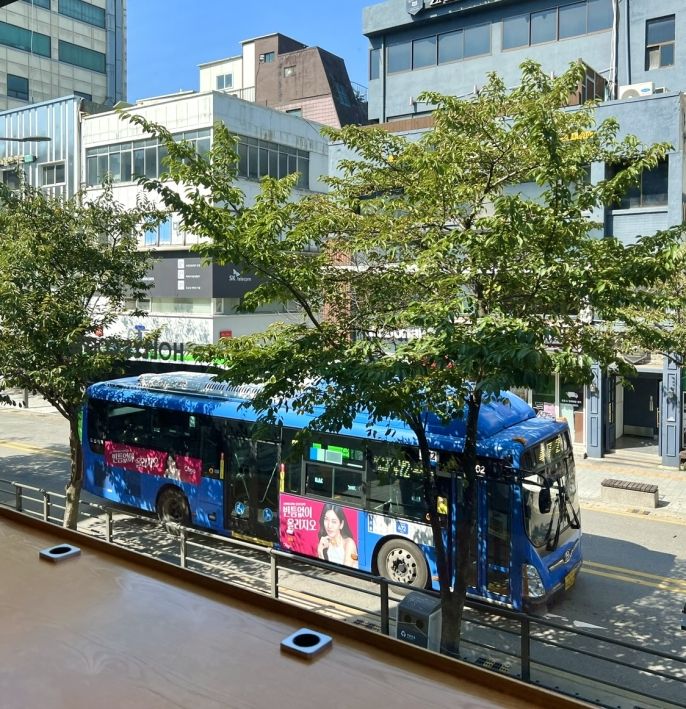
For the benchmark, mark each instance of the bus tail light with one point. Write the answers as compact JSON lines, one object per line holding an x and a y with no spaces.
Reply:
{"x":532,"y":585}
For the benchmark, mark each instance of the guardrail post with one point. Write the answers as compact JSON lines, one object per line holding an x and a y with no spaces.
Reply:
{"x":109,"y":523}
{"x":274,"y":564}
{"x":18,"y":506}
{"x":525,"y":652}
{"x":46,"y":506}
{"x":182,"y":549}
{"x":383,"y":592}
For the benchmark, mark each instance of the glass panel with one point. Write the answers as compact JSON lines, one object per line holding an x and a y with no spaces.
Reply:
{"x":424,"y":52}
{"x":395,"y":481}
{"x":399,"y":57}
{"x":18,"y":87}
{"x":662,"y":30}
{"x":151,"y":162}
{"x":165,"y":231}
{"x":81,"y":56}
{"x":92,"y":171}
{"x":498,"y":495}
{"x":599,"y":15}
{"x":125,"y":166}
{"x":252,"y":162}
{"x":83,"y":11}
{"x":544,"y":26}
{"x":450,"y":47}
{"x":667,"y":55}
{"x":374,"y":63}
{"x":242,"y":150}
{"x":515,"y":32}
{"x":264,"y":162}
{"x":115,"y":166}
{"x":654,"y":184}
{"x":103,"y":167}
{"x":572,"y":20}
{"x":477,"y":40}
{"x":138,"y":163}
{"x":283,"y":164}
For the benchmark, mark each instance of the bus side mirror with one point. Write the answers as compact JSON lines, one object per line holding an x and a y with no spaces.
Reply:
{"x":544,"y":500}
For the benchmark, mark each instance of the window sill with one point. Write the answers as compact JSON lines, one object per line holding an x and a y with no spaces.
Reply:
{"x":640,"y":210}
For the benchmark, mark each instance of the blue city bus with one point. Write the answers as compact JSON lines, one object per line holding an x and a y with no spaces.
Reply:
{"x":192,"y":449}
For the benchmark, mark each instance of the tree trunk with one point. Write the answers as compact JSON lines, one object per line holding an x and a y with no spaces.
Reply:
{"x":73,"y":489}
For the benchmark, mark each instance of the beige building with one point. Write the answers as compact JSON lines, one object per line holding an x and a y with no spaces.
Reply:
{"x":284,"y":74}
{"x":53,"y":48}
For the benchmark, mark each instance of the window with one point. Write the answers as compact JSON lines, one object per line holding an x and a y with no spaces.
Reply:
{"x":83,"y":11}
{"x":450,"y":47}
{"x":555,"y":23}
{"x":26,"y":40}
{"x":53,"y":174}
{"x":660,"y":42}
{"x":651,"y":191}
{"x":260,"y":158}
{"x":128,"y":161}
{"x":516,"y":32}
{"x":39,"y":3}
{"x":395,"y":481}
{"x":374,"y":63}
{"x":267,"y":57}
{"x":477,"y":40}
{"x":599,"y":15}
{"x":17,"y":87}
{"x":544,"y":26}
{"x":224,"y":81}
{"x":80,"y":56}
{"x":399,"y":57}
{"x":289,"y":71}
{"x":83,"y":94}
{"x":423,"y":52}
{"x":573,"y":20}
{"x":11,"y":179}
{"x":298,"y":112}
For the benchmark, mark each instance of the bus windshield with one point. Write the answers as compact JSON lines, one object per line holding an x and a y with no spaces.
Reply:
{"x":551,"y":504}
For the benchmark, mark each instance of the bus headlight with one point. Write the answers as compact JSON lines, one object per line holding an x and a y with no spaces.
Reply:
{"x":532,"y":583}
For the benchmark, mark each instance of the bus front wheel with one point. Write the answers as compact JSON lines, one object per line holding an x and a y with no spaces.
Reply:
{"x":402,"y":561}
{"x":172,"y":506}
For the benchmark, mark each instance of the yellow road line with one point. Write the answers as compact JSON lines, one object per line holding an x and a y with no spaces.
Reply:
{"x":633,"y":573}
{"x":28,"y":448}
{"x":635,"y":581}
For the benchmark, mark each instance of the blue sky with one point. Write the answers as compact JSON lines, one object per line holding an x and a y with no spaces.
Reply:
{"x":167,"y":39}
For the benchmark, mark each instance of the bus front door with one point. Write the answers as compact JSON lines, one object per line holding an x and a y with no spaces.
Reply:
{"x":495,"y":502}
{"x":252,"y":490}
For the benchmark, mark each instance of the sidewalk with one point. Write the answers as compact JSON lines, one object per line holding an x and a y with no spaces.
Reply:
{"x":36,"y":404}
{"x":671,"y":483}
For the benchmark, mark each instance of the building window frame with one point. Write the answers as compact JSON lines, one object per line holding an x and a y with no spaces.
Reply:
{"x":54,"y":174}
{"x":660,"y":47}
{"x":644,"y":195}
{"x":18,"y":87}
{"x":224,"y":81}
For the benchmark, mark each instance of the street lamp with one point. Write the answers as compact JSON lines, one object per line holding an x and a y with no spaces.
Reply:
{"x":28,"y":139}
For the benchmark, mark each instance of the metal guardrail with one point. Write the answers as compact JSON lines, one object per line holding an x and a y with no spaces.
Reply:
{"x":580,"y":663}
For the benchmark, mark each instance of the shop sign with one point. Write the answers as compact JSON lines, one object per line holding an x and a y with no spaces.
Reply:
{"x":16,"y":160}
{"x":415,"y":6}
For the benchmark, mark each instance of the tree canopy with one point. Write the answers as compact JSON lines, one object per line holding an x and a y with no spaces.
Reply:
{"x":67,"y":267}
{"x":438,"y":270}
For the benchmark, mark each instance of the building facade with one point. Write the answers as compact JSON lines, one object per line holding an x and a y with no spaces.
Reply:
{"x":191,"y":302}
{"x":54,"y":48}
{"x":41,"y":144}
{"x":636,"y":64}
{"x":282,"y":73}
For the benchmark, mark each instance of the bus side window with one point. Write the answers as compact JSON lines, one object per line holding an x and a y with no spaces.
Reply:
{"x":319,"y":480}
{"x":291,"y":460}
{"x":210,"y":438}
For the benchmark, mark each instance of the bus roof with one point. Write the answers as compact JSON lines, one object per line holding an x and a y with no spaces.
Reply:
{"x":506,"y":423}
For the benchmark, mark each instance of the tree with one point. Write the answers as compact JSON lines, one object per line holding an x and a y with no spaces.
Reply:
{"x":474,"y":239}
{"x":66,"y":268}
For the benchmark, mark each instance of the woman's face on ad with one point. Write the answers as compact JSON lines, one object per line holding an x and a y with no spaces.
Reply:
{"x":332,"y":524}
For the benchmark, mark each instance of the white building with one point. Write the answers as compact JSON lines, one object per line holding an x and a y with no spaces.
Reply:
{"x":56,"y":48}
{"x":190,"y":302}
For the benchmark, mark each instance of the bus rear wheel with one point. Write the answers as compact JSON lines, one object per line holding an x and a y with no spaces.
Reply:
{"x":402,"y":561}
{"x":172,"y":506}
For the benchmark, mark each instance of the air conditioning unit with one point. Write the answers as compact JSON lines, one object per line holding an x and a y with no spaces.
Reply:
{"x":645,"y":88}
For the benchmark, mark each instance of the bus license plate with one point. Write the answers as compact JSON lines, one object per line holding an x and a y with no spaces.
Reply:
{"x":570,"y":578}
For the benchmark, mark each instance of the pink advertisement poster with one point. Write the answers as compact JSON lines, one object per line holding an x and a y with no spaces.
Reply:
{"x":319,"y":529}
{"x":153,"y":462}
